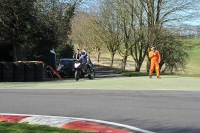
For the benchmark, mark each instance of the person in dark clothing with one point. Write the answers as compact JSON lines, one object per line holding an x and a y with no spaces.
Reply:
{"x":84,"y":57}
{"x":77,"y":55}
{"x":85,"y":60}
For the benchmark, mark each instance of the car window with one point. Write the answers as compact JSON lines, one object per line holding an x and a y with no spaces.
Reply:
{"x":63,"y":62}
{"x":67,"y":62}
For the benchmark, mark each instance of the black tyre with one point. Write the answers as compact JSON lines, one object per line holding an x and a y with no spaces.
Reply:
{"x":7,"y":72}
{"x":29,"y":72}
{"x":18,"y":72}
{"x":44,"y":74}
{"x":38,"y":72}
{"x":0,"y":71}
{"x":77,"y":75}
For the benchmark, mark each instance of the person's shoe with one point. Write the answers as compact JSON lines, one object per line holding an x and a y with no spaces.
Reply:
{"x":150,"y":77}
{"x":158,"y":77}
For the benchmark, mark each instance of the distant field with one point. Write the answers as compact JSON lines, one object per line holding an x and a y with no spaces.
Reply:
{"x":192,"y":67}
{"x":105,"y":60}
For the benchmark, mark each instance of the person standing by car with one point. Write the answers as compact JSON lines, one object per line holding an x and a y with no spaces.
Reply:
{"x":77,"y":55}
{"x":155,"y":58}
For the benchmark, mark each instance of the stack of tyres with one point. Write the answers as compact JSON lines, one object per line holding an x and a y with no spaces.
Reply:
{"x":0,"y":71}
{"x":7,"y":71}
{"x":18,"y":72}
{"x":44,"y":74}
{"x":38,"y":72}
{"x":29,"y":72}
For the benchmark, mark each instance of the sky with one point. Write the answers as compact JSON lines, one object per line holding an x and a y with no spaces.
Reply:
{"x":88,"y":5}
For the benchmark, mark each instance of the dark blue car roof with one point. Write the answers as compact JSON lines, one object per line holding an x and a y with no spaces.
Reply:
{"x":64,"y":60}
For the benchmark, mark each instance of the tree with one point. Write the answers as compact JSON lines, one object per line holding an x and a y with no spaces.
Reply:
{"x":174,"y":52}
{"x":131,"y":27}
{"x":121,"y":10}
{"x":54,"y":26}
{"x":139,"y":45}
{"x":109,"y":28}
{"x":83,"y":32}
{"x":129,"y":21}
{"x":36,"y":25}
{"x":16,"y":20}
{"x":65,"y":51}
{"x":162,"y":14}
{"x":152,"y":17}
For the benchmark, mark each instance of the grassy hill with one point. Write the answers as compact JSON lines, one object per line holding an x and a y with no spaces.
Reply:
{"x":193,"y":65}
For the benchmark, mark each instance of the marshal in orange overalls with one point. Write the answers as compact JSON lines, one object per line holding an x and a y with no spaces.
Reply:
{"x":154,"y":55}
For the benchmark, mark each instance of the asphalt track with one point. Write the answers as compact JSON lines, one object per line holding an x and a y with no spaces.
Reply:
{"x":165,"y":109}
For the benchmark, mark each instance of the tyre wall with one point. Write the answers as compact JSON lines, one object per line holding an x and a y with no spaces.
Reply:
{"x":38,"y":71}
{"x":18,"y":72}
{"x":22,"y":71}
{"x":0,"y":71}
{"x":7,"y":71}
{"x":29,"y":71}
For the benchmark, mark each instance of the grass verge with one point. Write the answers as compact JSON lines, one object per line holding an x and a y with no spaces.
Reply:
{"x":138,"y":74}
{"x":189,"y":75}
{"x":129,"y":73}
{"x":6,"y":127}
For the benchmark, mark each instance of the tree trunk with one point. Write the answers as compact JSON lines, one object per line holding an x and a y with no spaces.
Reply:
{"x":124,"y":62}
{"x":14,"y":53}
{"x":137,"y":66}
{"x":98,"y":54}
{"x":148,"y":66}
{"x":112,"y":59}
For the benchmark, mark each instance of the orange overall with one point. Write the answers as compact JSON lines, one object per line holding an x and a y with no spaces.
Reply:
{"x":155,"y":60}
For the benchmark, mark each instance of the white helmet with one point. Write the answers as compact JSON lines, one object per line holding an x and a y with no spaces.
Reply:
{"x":83,"y":52}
